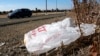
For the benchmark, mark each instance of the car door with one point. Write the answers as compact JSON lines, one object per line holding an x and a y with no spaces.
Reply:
{"x":19,"y":13}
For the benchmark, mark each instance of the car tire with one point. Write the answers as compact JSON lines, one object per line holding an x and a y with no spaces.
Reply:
{"x":23,"y":16}
{"x":29,"y":15}
{"x":17,"y":16}
{"x":9,"y":17}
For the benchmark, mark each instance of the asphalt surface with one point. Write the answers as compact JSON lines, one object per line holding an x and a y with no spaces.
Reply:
{"x":7,"y":21}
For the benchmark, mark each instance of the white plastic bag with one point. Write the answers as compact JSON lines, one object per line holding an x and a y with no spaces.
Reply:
{"x":88,"y":29}
{"x":47,"y":37}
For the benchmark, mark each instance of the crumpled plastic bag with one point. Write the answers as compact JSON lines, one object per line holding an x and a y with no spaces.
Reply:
{"x":88,"y":29}
{"x":49,"y":36}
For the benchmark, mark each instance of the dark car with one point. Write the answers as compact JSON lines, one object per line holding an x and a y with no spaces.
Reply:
{"x":20,"y":13}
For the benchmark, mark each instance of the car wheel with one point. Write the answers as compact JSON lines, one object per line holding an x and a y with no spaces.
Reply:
{"x":29,"y":15}
{"x":17,"y":17}
{"x":23,"y":16}
{"x":10,"y":17}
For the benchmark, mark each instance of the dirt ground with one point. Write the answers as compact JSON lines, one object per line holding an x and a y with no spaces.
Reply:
{"x":12,"y":36}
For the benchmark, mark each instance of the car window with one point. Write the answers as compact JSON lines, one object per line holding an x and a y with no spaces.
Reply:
{"x":18,"y":10}
{"x":25,"y":10}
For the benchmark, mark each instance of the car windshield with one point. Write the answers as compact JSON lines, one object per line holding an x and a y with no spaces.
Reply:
{"x":16,"y":10}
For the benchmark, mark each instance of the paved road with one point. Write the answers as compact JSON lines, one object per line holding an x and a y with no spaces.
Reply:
{"x":7,"y":21}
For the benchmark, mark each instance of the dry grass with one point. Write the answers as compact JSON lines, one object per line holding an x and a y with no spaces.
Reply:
{"x":3,"y":16}
{"x":13,"y":36}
